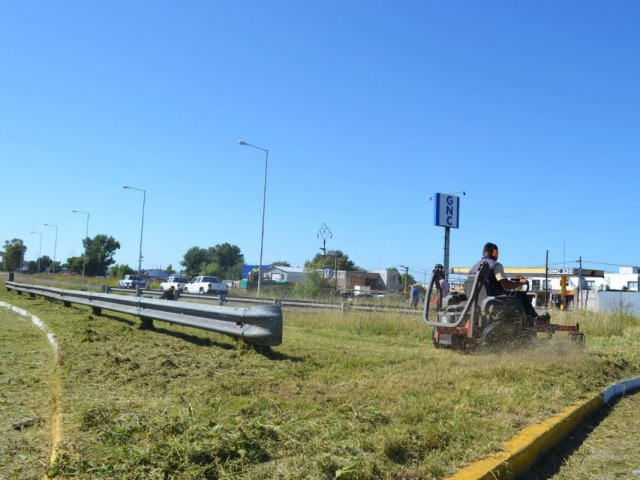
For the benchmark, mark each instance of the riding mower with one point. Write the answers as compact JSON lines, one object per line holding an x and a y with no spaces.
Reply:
{"x":474,"y":319}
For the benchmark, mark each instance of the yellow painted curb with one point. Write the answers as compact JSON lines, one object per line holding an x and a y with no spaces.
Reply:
{"x":524,"y":449}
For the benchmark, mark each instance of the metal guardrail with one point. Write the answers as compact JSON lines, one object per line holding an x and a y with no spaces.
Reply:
{"x":257,"y":325}
{"x":296,"y":304}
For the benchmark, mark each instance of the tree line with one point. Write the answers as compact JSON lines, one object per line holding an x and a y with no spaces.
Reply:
{"x":222,"y":260}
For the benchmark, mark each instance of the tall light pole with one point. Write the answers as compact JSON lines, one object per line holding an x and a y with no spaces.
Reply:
{"x":264,"y":204}
{"x":55,"y":247}
{"x":40,"y":252}
{"x":86,"y":236}
{"x":144,"y":200}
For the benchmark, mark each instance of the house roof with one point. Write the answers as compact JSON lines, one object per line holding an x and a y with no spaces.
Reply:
{"x":286,"y":269}
{"x":157,"y":274}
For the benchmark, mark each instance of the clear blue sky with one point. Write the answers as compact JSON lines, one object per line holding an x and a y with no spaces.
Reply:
{"x":367,"y":109}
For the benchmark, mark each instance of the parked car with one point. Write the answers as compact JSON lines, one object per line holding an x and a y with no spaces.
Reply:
{"x":133,"y":281}
{"x":177,"y":282}
{"x":206,"y":284}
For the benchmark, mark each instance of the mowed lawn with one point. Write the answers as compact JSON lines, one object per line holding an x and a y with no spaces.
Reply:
{"x":349,"y":396}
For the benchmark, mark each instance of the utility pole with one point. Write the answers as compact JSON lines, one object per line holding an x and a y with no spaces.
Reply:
{"x":406,"y":279}
{"x":579,"y":299}
{"x":324,"y":233}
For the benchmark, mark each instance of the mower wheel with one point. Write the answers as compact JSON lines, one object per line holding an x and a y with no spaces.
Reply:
{"x":503,"y":334}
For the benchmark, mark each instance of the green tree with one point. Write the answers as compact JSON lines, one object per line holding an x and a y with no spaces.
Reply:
{"x":45,"y":263}
{"x":119,"y":271}
{"x":99,"y":250}
{"x":314,"y":285}
{"x":194,"y":260}
{"x":280,"y":263}
{"x":39,"y":265}
{"x":330,"y":259}
{"x":169,"y":270}
{"x":54,"y":267}
{"x":407,"y":280}
{"x":223,"y":260}
{"x":12,"y":254}
{"x":74,"y":264}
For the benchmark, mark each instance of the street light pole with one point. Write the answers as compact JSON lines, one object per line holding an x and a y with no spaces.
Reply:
{"x":86,"y":236}
{"x":55,"y":247}
{"x":144,"y":200}
{"x":40,"y":251}
{"x":264,"y":204}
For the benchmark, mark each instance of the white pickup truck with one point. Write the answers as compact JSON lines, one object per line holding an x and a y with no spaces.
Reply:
{"x":133,"y":281}
{"x":176,"y":282}
{"x":206,"y":285}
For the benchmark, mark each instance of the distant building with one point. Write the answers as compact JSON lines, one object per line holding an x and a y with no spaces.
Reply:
{"x":283,"y":274}
{"x":156,"y":275}
{"x":583,"y":290}
{"x":387,"y":280}
{"x":625,"y":279}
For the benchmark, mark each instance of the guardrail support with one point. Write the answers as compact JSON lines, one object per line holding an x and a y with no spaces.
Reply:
{"x":146,"y":323}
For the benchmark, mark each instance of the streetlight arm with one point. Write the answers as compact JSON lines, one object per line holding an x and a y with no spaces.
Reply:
{"x":243,"y":143}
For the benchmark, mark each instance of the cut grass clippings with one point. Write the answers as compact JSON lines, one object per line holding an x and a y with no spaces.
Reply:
{"x":349,"y":396}
{"x":27,"y":396}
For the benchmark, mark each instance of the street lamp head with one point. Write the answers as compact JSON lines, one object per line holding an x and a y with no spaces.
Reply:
{"x":242,"y":142}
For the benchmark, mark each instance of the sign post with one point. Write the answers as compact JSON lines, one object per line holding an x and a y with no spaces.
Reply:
{"x":447,"y":213}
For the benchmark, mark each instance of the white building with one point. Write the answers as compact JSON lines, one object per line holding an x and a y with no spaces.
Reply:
{"x":284,"y":274}
{"x":626,"y":279}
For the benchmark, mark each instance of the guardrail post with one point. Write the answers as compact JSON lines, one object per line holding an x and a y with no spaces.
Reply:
{"x":221,"y":300}
{"x":345,"y":307}
{"x":146,"y":323}
{"x":11,"y":275}
{"x":138,"y":292}
{"x":277,"y":302}
{"x":106,"y":288}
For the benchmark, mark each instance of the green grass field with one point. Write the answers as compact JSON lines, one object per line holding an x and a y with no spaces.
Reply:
{"x":346,"y":396}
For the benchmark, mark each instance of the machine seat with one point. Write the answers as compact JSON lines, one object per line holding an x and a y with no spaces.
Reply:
{"x":493,"y":305}
{"x":501,"y":304}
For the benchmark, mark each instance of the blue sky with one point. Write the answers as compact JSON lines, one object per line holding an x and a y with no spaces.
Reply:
{"x":367,"y":108}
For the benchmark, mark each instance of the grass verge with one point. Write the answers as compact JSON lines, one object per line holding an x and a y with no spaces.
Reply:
{"x":349,"y":396}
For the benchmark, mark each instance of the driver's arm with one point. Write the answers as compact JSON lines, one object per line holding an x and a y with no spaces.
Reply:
{"x":504,"y":281}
